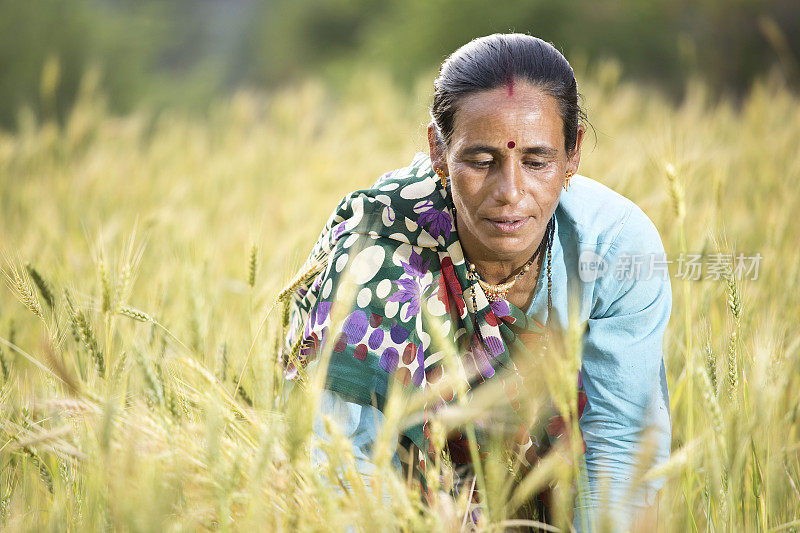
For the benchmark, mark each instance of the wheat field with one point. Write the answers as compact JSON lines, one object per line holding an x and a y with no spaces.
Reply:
{"x":142,"y":252}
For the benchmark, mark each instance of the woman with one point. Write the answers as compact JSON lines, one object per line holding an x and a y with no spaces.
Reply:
{"x":495,"y":234}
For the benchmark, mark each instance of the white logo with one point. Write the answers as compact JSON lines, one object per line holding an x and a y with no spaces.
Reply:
{"x":591,"y":266}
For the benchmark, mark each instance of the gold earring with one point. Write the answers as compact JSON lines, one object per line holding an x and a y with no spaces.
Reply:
{"x":442,"y":177}
{"x":566,"y":181}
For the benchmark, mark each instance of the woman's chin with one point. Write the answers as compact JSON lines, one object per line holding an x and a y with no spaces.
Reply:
{"x":508,"y":246}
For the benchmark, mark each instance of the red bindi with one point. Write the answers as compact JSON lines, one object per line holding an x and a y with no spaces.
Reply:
{"x":511,"y":144}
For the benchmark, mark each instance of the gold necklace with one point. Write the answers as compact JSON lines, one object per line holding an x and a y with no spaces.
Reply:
{"x":495,"y":293}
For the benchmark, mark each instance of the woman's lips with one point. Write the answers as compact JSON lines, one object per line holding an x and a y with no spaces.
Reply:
{"x":507,"y":225}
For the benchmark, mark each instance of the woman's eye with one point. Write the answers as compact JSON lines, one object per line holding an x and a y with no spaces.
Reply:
{"x":536,"y":165}
{"x":485,"y":163}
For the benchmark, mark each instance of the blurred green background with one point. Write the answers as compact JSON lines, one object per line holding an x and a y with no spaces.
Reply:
{"x":182,"y":53}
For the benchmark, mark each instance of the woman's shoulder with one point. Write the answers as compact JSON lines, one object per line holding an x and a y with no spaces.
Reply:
{"x":594,"y":215}
{"x":420,"y":169}
{"x":405,"y":205}
{"x":613,"y":247}
{"x":403,"y":187}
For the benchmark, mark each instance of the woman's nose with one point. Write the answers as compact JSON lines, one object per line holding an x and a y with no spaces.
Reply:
{"x":509,"y":187}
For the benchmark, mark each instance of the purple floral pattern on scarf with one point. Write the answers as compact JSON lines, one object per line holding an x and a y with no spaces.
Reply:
{"x":409,"y":288}
{"x":438,"y":222}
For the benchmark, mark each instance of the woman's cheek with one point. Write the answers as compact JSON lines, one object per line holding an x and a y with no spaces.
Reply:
{"x":468,"y":185}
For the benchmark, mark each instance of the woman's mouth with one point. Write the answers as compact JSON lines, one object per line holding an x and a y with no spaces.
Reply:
{"x":507,"y":225}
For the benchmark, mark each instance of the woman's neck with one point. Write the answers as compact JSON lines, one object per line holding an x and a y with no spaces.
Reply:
{"x":494,"y":267}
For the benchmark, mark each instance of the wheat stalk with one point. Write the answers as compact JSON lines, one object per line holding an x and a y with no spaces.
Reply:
{"x":245,"y":396}
{"x":300,"y":279}
{"x":155,"y":393}
{"x":105,"y":282}
{"x":41,"y":284}
{"x":711,"y":360}
{"x":252,"y":266}
{"x":129,"y":262}
{"x":69,"y":406}
{"x":4,"y":366}
{"x":84,"y":328}
{"x":710,"y":400}
{"x":676,"y":191}
{"x":223,"y":361}
{"x":135,"y":314}
{"x":735,"y":307}
{"x":19,"y":283}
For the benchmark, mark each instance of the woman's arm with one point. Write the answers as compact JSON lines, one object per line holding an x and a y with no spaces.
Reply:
{"x":360,"y":424}
{"x":624,"y":377}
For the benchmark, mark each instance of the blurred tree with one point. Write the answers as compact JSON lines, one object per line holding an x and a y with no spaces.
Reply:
{"x":164,"y":53}
{"x":183,"y":52}
{"x":664,"y":41}
{"x":287,"y":39}
{"x":68,"y":36}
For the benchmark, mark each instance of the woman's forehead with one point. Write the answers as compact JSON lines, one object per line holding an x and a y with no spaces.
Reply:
{"x":503,"y":115}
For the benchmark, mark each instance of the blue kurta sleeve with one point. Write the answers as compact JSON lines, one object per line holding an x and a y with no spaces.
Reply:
{"x":624,"y":376}
{"x":361,"y":425}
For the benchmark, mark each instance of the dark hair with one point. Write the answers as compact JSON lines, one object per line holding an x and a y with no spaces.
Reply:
{"x":489,"y":62}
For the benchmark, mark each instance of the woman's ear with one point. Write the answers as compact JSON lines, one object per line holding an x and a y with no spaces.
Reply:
{"x":436,"y":146}
{"x":575,"y":154}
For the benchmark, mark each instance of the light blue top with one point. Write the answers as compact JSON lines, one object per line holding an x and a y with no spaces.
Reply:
{"x":608,"y":270}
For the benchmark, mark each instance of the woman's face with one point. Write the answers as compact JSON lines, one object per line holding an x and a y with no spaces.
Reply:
{"x":507,"y":164}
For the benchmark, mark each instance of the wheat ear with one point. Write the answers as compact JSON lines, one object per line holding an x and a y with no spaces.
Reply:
{"x":19,"y":283}
{"x":41,"y":284}
{"x":301,"y":278}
